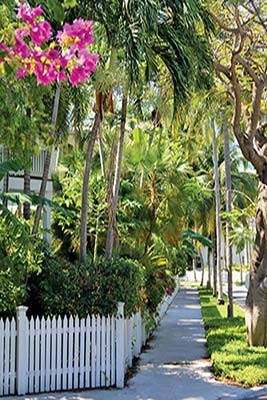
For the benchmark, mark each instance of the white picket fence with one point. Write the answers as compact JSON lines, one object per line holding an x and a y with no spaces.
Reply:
{"x":62,"y":354}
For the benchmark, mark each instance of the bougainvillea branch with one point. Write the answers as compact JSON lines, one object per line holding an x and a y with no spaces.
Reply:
{"x":34,"y":52}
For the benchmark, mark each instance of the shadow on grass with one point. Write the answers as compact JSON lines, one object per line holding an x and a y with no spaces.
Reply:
{"x":227,"y":344}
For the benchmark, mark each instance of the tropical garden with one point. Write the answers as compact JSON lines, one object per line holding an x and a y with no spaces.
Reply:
{"x":157,"y":113}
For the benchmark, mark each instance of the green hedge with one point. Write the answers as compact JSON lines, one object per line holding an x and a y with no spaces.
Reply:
{"x":227,"y":344}
{"x":67,"y":288}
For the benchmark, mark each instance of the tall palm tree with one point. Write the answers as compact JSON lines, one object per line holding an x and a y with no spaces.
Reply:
{"x":218,"y":213}
{"x":228,"y":203}
{"x":47,"y":160}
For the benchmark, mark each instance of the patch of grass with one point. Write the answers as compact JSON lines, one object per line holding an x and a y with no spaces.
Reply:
{"x":227,"y":344}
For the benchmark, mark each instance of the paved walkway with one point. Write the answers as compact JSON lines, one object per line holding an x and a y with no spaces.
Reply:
{"x":239,"y":295}
{"x":174,"y":368}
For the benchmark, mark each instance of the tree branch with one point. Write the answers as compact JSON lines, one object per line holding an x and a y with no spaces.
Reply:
{"x":256,"y":108}
{"x":221,"y":24}
{"x":248,"y":68}
{"x":262,"y":126}
{"x":258,"y":15}
{"x":220,"y":68}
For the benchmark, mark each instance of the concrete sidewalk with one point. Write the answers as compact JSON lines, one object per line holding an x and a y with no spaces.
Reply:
{"x":175,"y":367}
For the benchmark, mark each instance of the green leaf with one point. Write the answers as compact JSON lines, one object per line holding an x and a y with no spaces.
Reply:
{"x":200,"y":238}
{"x":70,"y":3}
{"x":19,"y":198}
{"x":56,"y":9}
{"x":8,"y":166}
{"x":138,"y":135}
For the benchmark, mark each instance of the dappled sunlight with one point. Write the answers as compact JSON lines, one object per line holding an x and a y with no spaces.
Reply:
{"x":192,"y":306}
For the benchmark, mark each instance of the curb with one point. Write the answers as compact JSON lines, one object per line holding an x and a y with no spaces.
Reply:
{"x":248,"y":395}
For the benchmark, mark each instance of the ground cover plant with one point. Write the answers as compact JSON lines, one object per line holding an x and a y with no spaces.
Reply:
{"x":230,"y":354}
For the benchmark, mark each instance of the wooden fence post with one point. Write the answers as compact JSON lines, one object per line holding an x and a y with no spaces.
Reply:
{"x":22,"y":349}
{"x":120,"y":358}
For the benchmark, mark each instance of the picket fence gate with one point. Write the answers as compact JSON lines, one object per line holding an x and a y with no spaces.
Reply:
{"x":54,"y":354}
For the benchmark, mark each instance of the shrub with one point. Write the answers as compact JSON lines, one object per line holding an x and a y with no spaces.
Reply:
{"x":67,"y":288}
{"x":227,"y":344}
{"x":19,"y":257}
{"x":158,"y":281}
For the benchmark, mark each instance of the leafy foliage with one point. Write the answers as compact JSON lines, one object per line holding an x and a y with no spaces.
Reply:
{"x":19,"y":256}
{"x":67,"y":288}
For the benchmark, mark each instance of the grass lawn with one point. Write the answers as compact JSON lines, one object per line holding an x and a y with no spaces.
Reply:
{"x":227,"y":345}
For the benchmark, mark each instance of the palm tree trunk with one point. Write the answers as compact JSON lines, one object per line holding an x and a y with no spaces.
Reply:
{"x":112,"y":225}
{"x":218,"y":218}
{"x":241,"y":268}
{"x":101,"y":152}
{"x":6,"y":177}
{"x":116,"y":185}
{"x":202,"y":268}
{"x":96,"y":239}
{"x":153,"y":191}
{"x":47,"y":162}
{"x":209,"y":270}
{"x":214,"y":261}
{"x":27,"y":190}
{"x":86,"y":177}
{"x":194,"y":263}
{"x":228,"y":228}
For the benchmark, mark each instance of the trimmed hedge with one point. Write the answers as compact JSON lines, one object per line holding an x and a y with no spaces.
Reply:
{"x":227,"y":344}
{"x":67,"y":288}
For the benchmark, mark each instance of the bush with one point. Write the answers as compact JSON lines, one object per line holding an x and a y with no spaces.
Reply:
{"x":67,"y":288}
{"x":158,"y":281}
{"x":19,"y":257}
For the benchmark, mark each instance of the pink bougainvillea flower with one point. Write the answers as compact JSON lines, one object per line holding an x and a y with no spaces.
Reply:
{"x":49,"y":64}
{"x":80,"y":30}
{"x":62,"y":76}
{"x":4,"y":47}
{"x":53,"y":54}
{"x":170,"y":290}
{"x":40,"y":32}
{"x":42,"y":74}
{"x":78,"y":75}
{"x":28,"y":14}
{"x":87,"y":59}
{"x":20,"y":47}
{"x":21,"y":73}
{"x":22,"y":32}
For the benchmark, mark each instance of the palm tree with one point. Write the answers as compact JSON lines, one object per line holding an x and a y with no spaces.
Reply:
{"x":145,"y":35}
{"x":228,"y":203}
{"x":47,"y":161}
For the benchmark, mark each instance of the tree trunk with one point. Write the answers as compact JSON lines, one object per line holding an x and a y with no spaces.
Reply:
{"x":218,"y":218}
{"x":6,"y":177}
{"x":202,"y":268}
{"x":27,"y":190}
{"x":241,"y":268}
{"x":256,"y":302}
{"x":209,"y":270}
{"x":214,"y":261}
{"x":112,"y":218}
{"x":116,"y":185}
{"x":153,"y":197}
{"x":101,"y":152}
{"x":96,"y":240}
{"x":47,"y":162}
{"x":86,"y":177}
{"x":228,"y":228}
{"x":194,"y":263}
